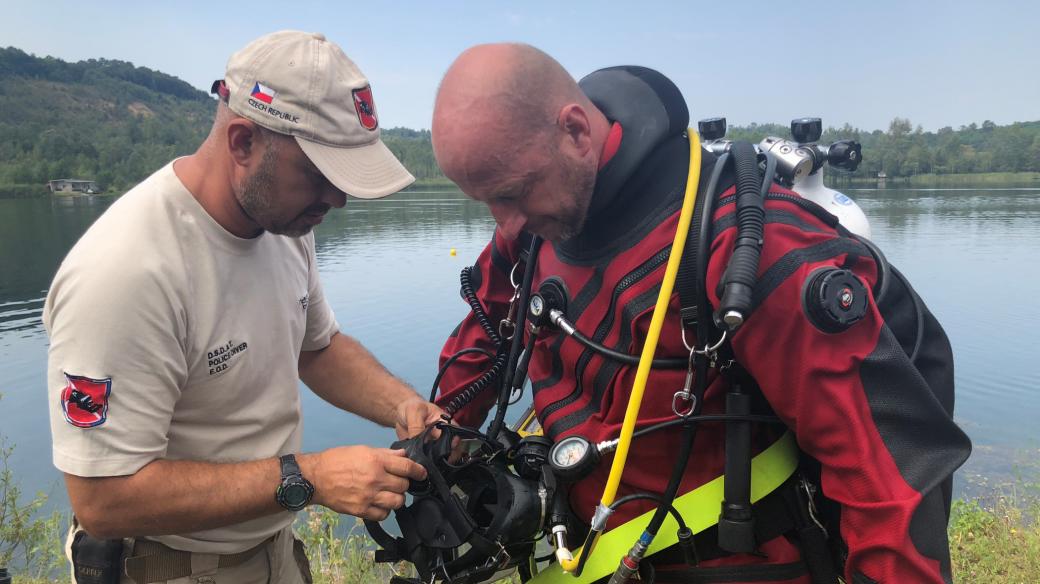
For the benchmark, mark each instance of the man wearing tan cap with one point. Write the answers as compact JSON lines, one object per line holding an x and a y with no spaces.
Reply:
{"x":183,"y":318}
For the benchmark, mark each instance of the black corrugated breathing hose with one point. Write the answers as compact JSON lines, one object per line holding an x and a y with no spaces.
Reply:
{"x":738,"y":281}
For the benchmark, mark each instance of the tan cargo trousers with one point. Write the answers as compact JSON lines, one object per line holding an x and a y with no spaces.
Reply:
{"x":278,"y":560}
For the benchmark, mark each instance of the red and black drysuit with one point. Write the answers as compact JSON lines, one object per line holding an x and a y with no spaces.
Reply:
{"x":887,"y":446}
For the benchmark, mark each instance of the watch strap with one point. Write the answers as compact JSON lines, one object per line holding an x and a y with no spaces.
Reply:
{"x":289,"y":466}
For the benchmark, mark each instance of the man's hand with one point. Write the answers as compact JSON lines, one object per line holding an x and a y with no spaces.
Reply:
{"x":414,"y":415}
{"x":359,"y":480}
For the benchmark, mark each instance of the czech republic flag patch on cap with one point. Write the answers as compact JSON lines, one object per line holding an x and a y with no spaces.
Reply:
{"x":263,"y":93}
{"x":85,"y":401}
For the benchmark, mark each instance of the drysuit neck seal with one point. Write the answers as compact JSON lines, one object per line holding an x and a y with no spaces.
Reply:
{"x":649,"y":108}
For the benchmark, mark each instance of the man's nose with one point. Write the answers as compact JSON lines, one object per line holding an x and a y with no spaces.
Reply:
{"x":334,"y":197}
{"x":510,"y":222}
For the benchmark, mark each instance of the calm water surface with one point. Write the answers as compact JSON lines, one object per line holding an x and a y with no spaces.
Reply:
{"x":390,"y":277}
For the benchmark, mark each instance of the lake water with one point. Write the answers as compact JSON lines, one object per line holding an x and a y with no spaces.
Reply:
{"x":393,"y":283}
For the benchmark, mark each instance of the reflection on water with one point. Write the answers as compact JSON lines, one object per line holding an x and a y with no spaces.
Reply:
{"x":393,"y":284}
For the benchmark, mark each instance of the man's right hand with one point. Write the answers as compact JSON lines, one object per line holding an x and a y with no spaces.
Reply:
{"x":359,"y":480}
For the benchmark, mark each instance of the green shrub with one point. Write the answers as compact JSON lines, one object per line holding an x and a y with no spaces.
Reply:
{"x":997,"y":540}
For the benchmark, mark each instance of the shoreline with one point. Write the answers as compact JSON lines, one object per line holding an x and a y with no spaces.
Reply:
{"x":978,"y":179}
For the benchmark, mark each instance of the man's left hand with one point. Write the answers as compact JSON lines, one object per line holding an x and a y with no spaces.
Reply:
{"x":414,"y":415}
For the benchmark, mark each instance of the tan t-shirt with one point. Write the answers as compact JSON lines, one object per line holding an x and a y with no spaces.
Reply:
{"x":172,"y":338}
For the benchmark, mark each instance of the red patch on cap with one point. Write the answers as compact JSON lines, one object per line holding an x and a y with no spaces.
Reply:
{"x":366,"y":108}
{"x":85,"y":401}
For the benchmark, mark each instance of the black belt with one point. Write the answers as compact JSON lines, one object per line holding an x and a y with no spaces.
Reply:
{"x":783,"y":511}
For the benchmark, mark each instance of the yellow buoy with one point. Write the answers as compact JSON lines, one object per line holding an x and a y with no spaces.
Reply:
{"x":452,"y":252}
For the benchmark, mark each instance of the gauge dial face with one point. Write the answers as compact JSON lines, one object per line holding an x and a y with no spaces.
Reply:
{"x":570,"y":451}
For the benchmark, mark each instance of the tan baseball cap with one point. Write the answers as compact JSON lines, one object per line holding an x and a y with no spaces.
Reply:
{"x":301,"y":84}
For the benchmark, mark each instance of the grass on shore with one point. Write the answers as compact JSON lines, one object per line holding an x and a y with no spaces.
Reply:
{"x":992,"y":542}
{"x":995,"y":539}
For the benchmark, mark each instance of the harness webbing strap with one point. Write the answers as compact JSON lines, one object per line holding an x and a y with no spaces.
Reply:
{"x":699,"y":508}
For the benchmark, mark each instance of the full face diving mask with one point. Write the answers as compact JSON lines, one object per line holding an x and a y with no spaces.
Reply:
{"x":473,"y":516}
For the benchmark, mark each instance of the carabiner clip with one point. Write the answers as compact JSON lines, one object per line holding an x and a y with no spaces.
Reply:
{"x":686,"y":393}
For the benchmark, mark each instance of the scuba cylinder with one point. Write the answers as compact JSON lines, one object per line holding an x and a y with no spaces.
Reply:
{"x":800,"y":165}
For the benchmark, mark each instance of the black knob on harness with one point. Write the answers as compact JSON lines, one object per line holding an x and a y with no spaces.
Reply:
{"x":835,"y":299}
{"x":806,"y":130}
{"x":712,"y":128}
{"x":845,"y":154}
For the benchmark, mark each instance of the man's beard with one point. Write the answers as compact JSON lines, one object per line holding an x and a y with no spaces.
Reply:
{"x":257,"y":198}
{"x":581,"y":183}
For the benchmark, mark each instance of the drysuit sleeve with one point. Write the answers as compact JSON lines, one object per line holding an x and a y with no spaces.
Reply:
{"x":853,"y":398}
{"x":490,"y":284}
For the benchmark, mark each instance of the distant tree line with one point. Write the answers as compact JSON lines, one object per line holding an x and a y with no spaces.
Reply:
{"x":905,"y":150}
{"x":115,"y":123}
{"x":415,"y":150}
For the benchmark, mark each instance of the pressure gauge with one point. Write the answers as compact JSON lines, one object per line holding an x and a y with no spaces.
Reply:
{"x":573,"y":458}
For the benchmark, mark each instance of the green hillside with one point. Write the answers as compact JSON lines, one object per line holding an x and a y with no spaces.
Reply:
{"x":104,"y":120}
{"x":114,"y":123}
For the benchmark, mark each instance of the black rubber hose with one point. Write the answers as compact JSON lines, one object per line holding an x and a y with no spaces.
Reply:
{"x":663,"y":363}
{"x":585,"y":552}
{"x":705,"y":237}
{"x":477,"y":387}
{"x":761,"y":419}
{"x":668,"y":497}
{"x":884,"y":269}
{"x":652,"y":497}
{"x":685,"y":448}
{"x":767,"y":177}
{"x":520,"y":374}
{"x":741,"y":274}
{"x":518,"y":336}
{"x":451,"y":360}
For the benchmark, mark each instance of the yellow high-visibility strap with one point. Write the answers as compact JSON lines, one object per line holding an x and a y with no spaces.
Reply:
{"x":699,"y":509}
{"x":528,"y":425}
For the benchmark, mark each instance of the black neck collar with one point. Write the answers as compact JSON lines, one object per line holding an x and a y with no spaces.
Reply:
{"x":648,"y":166}
{"x":650,"y":110}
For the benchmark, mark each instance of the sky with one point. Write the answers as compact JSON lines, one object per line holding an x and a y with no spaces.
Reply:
{"x":863,"y":63}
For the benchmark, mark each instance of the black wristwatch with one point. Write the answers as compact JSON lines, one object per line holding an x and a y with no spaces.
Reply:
{"x":295,"y":491}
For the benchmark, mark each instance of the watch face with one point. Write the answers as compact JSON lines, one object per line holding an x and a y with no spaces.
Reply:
{"x":295,"y":496}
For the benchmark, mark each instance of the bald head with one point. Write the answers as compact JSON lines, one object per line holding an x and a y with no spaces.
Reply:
{"x":496,"y":100}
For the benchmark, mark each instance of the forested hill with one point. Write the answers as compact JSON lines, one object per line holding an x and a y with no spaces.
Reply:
{"x":115,"y":123}
{"x":99,"y":119}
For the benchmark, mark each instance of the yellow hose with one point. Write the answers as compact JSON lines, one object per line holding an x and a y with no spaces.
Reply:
{"x":635,"y":400}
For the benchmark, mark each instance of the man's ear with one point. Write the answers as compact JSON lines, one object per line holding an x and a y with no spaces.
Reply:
{"x":243,"y":140}
{"x":574,"y":122}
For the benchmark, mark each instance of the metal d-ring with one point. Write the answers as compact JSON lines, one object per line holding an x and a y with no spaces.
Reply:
{"x":708,"y":349}
{"x":512,"y":276}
